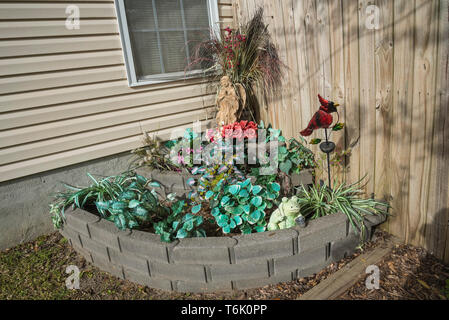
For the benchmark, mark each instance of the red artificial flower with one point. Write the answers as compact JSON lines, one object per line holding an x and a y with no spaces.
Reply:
{"x":243,"y":123}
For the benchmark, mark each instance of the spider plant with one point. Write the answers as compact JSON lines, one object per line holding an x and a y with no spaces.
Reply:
{"x":320,"y":201}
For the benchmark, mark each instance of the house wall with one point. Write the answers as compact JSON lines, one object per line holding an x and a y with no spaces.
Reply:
{"x":65,"y":102}
{"x":392,"y":81}
{"x":64,"y":97}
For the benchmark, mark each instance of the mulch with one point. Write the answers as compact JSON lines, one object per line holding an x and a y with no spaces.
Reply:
{"x":408,"y":273}
{"x":36,"y":270}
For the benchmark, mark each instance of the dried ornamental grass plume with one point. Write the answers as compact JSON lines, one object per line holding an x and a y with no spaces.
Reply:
{"x":247,"y":56}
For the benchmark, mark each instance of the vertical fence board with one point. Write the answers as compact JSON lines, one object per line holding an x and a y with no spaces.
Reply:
{"x":422,"y":116}
{"x":402,"y":114}
{"x":292,"y":62}
{"x":384,"y":97}
{"x":367,"y":95}
{"x":351,"y":71}
{"x":338,"y":76}
{"x":286,"y":55}
{"x":303,"y":67}
{"x":323,"y":36}
{"x":436,"y":228}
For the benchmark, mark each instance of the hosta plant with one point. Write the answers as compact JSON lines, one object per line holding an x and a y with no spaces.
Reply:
{"x":242,"y":205}
{"x":320,"y":201}
{"x":178,"y":225}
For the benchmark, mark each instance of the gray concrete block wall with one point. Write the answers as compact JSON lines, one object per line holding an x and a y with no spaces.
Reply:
{"x":211,"y":264}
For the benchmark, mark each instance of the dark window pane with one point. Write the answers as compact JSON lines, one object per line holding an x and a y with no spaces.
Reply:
{"x":173,"y":51}
{"x":196,"y":14}
{"x":139,"y":15}
{"x":169,"y":14}
{"x":175,"y":43}
{"x":145,"y":53}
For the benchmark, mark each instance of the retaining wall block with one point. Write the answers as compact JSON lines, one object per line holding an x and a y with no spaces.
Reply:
{"x":78,"y":220}
{"x":261,"y":282}
{"x":302,"y":260}
{"x":213,"y":250}
{"x":70,"y":234}
{"x":94,"y":247}
{"x":307,"y":272}
{"x":374,"y":220}
{"x":240,"y":271}
{"x":146,"y":245}
{"x":106,"y":265}
{"x":170,"y":271}
{"x":265,"y":245}
{"x":144,"y":279}
{"x":321,"y":231}
{"x":107,"y":233}
{"x":345,"y":247}
{"x":129,"y":260}
{"x":196,"y":287}
{"x":86,"y":254}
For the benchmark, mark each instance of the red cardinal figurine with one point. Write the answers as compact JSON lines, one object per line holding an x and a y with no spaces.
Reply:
{"x":322,"y":118}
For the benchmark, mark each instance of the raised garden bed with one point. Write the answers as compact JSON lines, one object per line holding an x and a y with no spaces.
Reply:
{"x":213,"y":263}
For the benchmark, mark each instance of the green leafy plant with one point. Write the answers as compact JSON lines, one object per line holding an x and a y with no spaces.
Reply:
{"x":179,"y":226}
{"x":242,"y":205}
{"x":123,"y":199}
{"x":320,"y":201}
{"x":295,"y":157}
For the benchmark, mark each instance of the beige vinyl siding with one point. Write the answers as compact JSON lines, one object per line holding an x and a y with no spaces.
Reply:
{"x":64,"y":95}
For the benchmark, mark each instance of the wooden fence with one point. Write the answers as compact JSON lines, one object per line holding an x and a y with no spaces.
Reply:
{"x":386,"y":62}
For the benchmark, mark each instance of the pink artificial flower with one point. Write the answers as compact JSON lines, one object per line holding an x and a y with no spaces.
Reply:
{"x":228,"y":133}
{"x":250,"y":133}
{"x":237,"y":133}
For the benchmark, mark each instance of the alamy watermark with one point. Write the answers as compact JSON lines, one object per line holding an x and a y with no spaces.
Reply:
{"x":73,"y":281}
{"x":73,"y":19}
{"x":373,"y":17}
{"x":227,"y":146}
{"x":372,"y":281}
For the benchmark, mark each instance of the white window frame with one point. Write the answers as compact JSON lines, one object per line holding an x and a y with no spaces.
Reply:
{"x":133,"y":81}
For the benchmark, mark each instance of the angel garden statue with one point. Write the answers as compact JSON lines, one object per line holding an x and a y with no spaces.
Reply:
{"x":228,"y":101}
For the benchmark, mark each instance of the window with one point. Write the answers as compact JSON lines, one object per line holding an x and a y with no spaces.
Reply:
{"x":159,"y":36}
